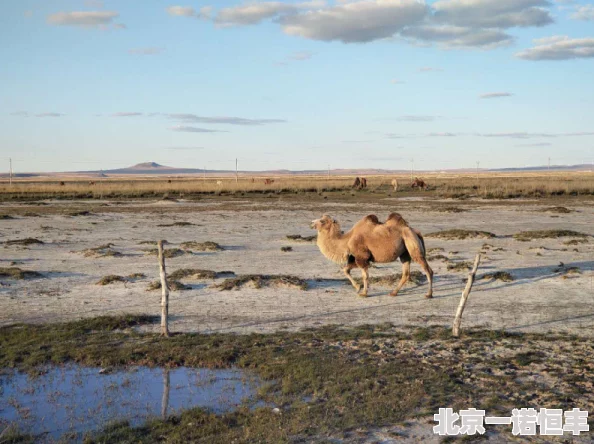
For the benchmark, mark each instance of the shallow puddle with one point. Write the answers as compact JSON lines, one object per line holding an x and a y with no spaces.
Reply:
{"x":69,"y":401}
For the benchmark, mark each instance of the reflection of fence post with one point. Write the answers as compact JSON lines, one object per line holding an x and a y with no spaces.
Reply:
{"x":465,"y":294}
{"x":165,"y":398}
{"x":164,"y":291}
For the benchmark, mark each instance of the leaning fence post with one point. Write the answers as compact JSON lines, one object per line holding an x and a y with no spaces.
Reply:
{"x":164,"y":291}
{"x":464,"y":298}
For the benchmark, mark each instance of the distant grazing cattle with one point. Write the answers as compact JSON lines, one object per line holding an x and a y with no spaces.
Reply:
{"x":62,"y":184}
{"x":418,"y":183}
{"x":394,"y":184}
{"x":268,"y":181}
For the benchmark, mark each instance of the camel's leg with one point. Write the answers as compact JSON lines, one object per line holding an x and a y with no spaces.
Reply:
{"x":347,"y":272}
{"x":404,"y":279}
{"x":429,"y":273}
{"x":365,"y":275}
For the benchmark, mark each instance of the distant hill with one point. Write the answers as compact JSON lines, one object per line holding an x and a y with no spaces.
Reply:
{"x":154,"y":169}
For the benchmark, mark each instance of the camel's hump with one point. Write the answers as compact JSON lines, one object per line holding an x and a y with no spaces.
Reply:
{"x":397,"y":219}
{"x":372,"y":218}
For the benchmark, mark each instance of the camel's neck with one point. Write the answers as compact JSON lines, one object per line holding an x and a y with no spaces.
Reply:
{"x":333,"y":244}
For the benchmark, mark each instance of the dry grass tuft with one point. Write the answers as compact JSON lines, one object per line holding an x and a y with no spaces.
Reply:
{"x":262,"y":280}
{"x":450,"y":210}
{"x":111,"y":279}
{"x":194,"y":273}
{"x":503,"y":276}
{"x":299,"y":238}
{"x":167,"y":252}
{"x":438,"y":257}
{"x":136,"y":276}
{"x":201,"y":246}
{"x":461,"y":234}
{"x":435,"y":250}
{"x":17,"y":273}
{"x":80,"y":213}
{"x":525,"y":236}
{"x":101,"y":251}
{"x":460,"y":266}
{"x":27,"y":241}
{"x":558,"y":210}
{"x":177,"y":224}
{"x":575,"y":242}
{"x":286,"y":249}
{"x":172,"y":284}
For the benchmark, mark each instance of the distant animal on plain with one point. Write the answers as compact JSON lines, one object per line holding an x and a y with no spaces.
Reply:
{"x":394,"y":184}
{"x":253,"y":180}
{"x":372,"y":241}
{"x":62,"y":184}
{"x":418,"y":183}
{"x":268,"y":181}
{"x":169,"y":181}
{"x":91,"y":183}
{"x":219,"y":183}
{"x":360,"y":183}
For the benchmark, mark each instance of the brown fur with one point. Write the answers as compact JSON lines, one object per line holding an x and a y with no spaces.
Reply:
{"x":372,"y":241}
{"x":360,"y":183}
{"x":418,"y":183}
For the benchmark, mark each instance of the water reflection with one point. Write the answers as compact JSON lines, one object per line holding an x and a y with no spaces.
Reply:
{"x":74,"y":399}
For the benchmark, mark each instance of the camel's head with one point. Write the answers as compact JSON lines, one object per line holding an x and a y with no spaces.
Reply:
{"x":323,"y":224}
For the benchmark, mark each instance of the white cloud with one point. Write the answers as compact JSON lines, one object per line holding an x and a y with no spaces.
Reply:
{"x":450,"y":36}
{"x":559,"y":48}
{"x":585,"y":12}
{"x":145,"y":51}
{"x":495,"y":95}
{"x":430,"y":69}
{"x":49,"y":115}
{"x":396,"y":82}
{"x":188,"y":11}
{"x":224,"y":120}
{"x":126,"y":114}
{"x":355,"y":22}
{"x":254,"y":13}
{"x":493,"y":13}
{"x":193,"y":129}
{"x":91,"y":19}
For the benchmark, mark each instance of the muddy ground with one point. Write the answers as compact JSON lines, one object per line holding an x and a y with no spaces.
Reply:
{"x":551,"y":287}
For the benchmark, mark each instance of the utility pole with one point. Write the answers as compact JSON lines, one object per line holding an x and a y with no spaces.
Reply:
{"x":236,"y":177}
{"x":10,"y":171}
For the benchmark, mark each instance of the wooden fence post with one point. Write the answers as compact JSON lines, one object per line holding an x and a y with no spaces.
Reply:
{"x":164,"y":291}
{"x":464,"y":298}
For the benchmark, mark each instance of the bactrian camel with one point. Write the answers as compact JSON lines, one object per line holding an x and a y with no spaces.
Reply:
{"x":372,"y":241}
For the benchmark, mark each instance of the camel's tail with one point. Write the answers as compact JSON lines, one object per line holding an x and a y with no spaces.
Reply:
{"x":415,"y":244}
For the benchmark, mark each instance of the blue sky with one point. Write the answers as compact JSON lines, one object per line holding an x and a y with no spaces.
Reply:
{"x":89,"y":84}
